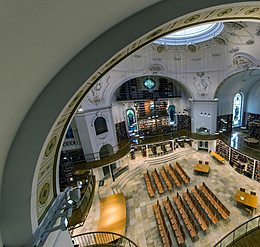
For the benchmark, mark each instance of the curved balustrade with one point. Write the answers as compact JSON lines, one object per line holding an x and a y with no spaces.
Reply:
{"x":125,"y":146}
{"x":82,"y":208}
{"x":241,"y":231}
{"x":102,"y":239}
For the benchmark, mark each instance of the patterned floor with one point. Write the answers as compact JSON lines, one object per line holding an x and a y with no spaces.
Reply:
{"x":141,"y":226}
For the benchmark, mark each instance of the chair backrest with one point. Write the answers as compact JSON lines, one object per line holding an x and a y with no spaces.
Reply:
{"x":200,"y":161}
{"x":253,"y":193}
{"x":206,"y":163}
{"x":242,"y":189}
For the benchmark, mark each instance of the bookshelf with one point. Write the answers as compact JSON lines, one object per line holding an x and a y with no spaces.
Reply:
{"x":233,"y":159}
{"x":121,"y":132}
{"x":249,"y":168}
{"x":224,"y":122}
{"x":184,"y":122}
{"x":257,"y":171}
{"x":222,"y":149}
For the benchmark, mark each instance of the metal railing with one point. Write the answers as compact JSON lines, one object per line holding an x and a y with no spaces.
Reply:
{"x":102,"y":239}
{"x":241,"y":231}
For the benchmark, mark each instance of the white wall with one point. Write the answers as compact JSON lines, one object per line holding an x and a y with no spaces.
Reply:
{"x":197,"y":120}
{"x":253,"y":99}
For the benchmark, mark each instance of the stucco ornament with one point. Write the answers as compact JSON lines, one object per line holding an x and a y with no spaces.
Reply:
{"x":155,"y":68}
{"x":202,"y":84}
{"x":242,"y":62}
{"x":96,"y":94}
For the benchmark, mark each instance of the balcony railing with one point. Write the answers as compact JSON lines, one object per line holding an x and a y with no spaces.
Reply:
{"x":102,"y":239}
{"x":241,"y":231}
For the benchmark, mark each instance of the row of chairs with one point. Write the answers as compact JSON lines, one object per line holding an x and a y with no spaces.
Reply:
{"x":158,"y":181}
{"x":166,"y":178}
{"x":174,"y":175}
{"x":182,"y":173}
{"x":149,"y":185}
{"x":184,"y":212}
{"x":206,"y":206}
{"x":164,"y":233}
{"x":195,"y":209}
{"x":175,"y":223}
{"x":206,"y":162}
{"x":217,"y":204}
{"x":251,"y":192}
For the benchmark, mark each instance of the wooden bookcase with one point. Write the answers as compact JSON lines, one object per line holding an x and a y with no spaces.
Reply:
{"x":184,"y":122}
{"x":222,"y":149}
{"x":257,"y":171}
{"x":121,"y":132}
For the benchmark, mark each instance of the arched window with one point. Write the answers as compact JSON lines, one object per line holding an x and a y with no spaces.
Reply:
{"x":237,"y":107}
{"x":131,"y":119}
{"x":100,"y":125}
{"x":172,"y":114}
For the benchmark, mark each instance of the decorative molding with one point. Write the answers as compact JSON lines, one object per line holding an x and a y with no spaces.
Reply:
{"x":155,"y":68}
{"x":202,"y":84}
{"x":242,"y":62}
{"x":97,"y":92}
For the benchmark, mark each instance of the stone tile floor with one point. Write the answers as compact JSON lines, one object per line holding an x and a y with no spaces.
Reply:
{"x":141,"y":226}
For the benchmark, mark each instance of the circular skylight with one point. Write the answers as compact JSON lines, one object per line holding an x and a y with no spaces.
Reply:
{"x":192,"y":35}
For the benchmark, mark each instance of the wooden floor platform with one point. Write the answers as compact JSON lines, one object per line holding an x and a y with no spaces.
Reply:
{"x":112,"y":214}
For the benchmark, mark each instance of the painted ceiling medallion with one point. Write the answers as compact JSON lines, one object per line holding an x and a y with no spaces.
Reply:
{"x":50,"y":146}
{"x":44,"y":194}
{"x":224,"y":12}
{"x":251,"y":11}
{"x":192,"y":19}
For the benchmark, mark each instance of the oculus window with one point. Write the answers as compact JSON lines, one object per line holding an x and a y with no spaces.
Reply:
{"x":237,"y":107}
{"x":191,"y":35}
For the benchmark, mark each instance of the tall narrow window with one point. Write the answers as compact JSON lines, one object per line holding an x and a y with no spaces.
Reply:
{"x":131,"y":119}
{"x":172,"y":114}
{"x":237,"y":107}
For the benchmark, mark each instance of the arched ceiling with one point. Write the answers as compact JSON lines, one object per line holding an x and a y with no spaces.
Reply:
{"x":38,"y":39}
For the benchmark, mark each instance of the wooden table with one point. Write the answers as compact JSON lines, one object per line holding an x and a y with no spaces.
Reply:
{"x":251,"y":141}
{"x":201,"y":168}
{"x":249,"y":200}
{"x":218,"y":157}
{"x":112,"y":215}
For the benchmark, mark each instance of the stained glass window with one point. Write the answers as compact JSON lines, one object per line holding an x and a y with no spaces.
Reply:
{"x":237,"y":105}
{"x":149,"y":83}
{"x":172,"y":114}
{"x":131,"y":119}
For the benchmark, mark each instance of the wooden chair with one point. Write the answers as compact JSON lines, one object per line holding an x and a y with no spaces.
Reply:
{"x":200,"y":161}
{"x":206,"y":163}
{"x":253,"y":193}
{"x":242,"y":189}
{"x":248,"y":210}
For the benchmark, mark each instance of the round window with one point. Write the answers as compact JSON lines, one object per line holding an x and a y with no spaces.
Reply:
{"x":149,"y":83}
